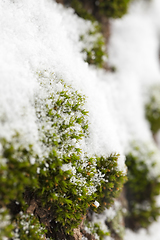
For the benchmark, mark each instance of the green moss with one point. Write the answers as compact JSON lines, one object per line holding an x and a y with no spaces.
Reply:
{"x":143,"y":186}
{"x":28,"y":227}
{"x":97,"y":9}
{"x":101,"y":234}
{"x":94,"y":228}
{"x":109,"y":223}
{"x":16,"y":169}
{"x":80,"y":10}
{"x":6,"y":227}
{"x":16,"y":173}
{"x":67,"y":177}
{"x":113,"y":181}
{"x":94,"y":41}
{"x":153,"y":108}
{"x":63,"y":181}
{"x":114,"y":8}
{"x":94,"y":46}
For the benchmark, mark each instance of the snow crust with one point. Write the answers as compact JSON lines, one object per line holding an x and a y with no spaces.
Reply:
{"x":41,"y":35}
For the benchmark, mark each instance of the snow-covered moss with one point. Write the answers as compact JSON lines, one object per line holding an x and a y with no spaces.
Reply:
{"x":143,"y":185}
{"x":17,"y":169}
{"x":109,"y":224}
{"x":28,"y":227}
{"x":70,"y":180}
{"x":94,"y":46}
{"x":153,"y":108}
{"x":62,"y":181}
{"x":98,"y":229}
{"x":114,"y":180}
{"x":6,"y":227}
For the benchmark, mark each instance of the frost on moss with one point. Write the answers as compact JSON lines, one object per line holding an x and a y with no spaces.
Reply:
{"x":97,"y":229}
{"x":153,"y":108}
{"x":113,"y":181}
{"x":71,"y":180}
{"x":17,"y":170}
{"x":94,"y":46}
{"x":24,"y":226}
{"x":6,"y":227}
{"x":60,"y":183}
{"x":143,"y":185}
{"x":28,"y":227}
{"x":109,"y":223}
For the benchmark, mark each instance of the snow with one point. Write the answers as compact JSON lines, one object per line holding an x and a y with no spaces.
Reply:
{"x":96,"y":204}
{"x":42,"y":35}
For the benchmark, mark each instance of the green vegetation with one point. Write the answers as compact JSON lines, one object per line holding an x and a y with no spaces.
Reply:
{"x":93,"y":40}
{"x":94,"y":228}
{"x":54,"y":189}
{"x":113,"y":183}
{"x":29,"y":228}
{"x":109,"y":223}
{"x":17,"y":172}
{"x":94,"y":46}
{"x":76,"y":179}
{"x":16,"y":169}
{"x":143,"y":185}
{"x":80,"y":10}
{"x":96,"y":9}
{"x":6,"y":227}
{"x":113,"y":9}
{"x":47,"y":194}
{"x":153,"y":108}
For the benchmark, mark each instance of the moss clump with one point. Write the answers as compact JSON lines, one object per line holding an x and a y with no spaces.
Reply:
{"x":114,"y":9}
{"x":69,"y":179}
{"x":113,"y":181}
{"x":94,"y":42}
{"x":95,"y":229}
{"x":80,"y":10}
{"x":143,"y":185}
{"x":16,"y":169}
{"x":94,"y":46}
{"x":97,"y":9}
{"x":6,"y":226}
{"x":109,"y":223}
{"x":29,"y":227}
{"x":153,"y":108}
{"x":63,"y":181}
